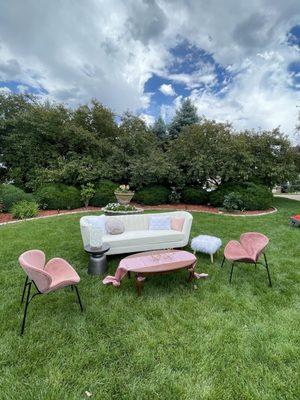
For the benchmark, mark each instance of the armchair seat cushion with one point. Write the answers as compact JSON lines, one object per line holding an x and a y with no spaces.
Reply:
{"x":62,"y":274}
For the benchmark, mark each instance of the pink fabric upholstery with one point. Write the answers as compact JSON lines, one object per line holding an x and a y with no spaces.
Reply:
{"x":177,"y":223}
{"x":153,"y":261}
{"x":57,"y":273}
{"x":248,"y":249}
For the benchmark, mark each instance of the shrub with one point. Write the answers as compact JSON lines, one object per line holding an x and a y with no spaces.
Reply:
{"x":254,"y":196}
{"x":58,"y":197}
{"x":257,"y":197}
{"x":194,"y":195}
{"x":11,"y":194}
{"x":233,"y":202}
{"x":87,"y":193}
{"x":25,"y":209}
{"x":216,"y":198}
{"x":104,"y":193}
{"x":153,"y":195}
{"x":175,"y":196}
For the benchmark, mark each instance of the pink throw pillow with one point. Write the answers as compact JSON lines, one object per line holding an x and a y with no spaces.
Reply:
{"x":177,"y":223}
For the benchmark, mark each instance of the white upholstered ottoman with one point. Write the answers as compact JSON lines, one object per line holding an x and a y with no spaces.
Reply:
{"x":206,"y":244}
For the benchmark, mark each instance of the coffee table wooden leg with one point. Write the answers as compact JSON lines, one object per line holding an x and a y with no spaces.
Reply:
{"x":138,"y":285}
{"x":192,"y":275}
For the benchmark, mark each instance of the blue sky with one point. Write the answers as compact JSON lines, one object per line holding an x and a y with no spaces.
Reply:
{"x":237,"y":61}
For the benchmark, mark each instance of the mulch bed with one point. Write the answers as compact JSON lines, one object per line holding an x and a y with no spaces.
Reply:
{"x":209,"y":209}
{"x":7,"y":217}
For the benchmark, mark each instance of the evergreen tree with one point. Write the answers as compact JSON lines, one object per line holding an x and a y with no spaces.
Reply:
{"x":186,"y":115}
{"x":159,"y":128}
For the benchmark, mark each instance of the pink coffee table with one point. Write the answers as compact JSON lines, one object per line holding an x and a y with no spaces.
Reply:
{"x":156,"y":262}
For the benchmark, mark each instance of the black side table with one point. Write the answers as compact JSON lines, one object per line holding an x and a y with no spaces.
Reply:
{"x":97,"y":264}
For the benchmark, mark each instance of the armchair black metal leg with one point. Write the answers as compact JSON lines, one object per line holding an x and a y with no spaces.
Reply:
{"x":24,"y":289}
{"x":232,"y":265}
{"x":26,"y":306}
{"x":267,"y":267}
{"x":79,"y":300}
{"x":223,"y":262}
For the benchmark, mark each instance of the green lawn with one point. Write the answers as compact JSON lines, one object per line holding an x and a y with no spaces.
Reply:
{"x":206,"y":340}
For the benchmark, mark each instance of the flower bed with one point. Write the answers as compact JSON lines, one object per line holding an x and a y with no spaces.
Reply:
{"x":119,"y":209}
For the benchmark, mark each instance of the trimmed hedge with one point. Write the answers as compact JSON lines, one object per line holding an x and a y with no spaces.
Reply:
{"x":194,"y":195}
{"x":153,"y":195}
{"x":10,"y":195}
{"x":253,"y":196}
{"x":104,"y":193}
{"x":58,"y":197}
{"x":257,"y":197}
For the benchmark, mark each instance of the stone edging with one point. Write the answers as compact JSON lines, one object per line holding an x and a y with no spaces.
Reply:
{"x":45,"y":216}
{"x":237,"y":215}
{"x":148,"y":209}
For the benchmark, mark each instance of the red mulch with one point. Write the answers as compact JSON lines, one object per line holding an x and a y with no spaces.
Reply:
{"x":6,"y":217}
{"x":191,"y":207}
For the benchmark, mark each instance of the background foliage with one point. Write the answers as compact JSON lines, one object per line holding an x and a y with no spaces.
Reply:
{"x":48,"y":144}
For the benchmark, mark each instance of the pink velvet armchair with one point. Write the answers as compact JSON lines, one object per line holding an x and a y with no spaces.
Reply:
{"x":248,"y":249}
{"x":54,"y":275}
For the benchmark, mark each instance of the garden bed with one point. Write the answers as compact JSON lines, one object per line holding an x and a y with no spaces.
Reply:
{"x":8,"y":218}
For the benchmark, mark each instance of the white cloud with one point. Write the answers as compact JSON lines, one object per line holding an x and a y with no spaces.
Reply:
{"x":147,"y":118}
{"x":258,"y":98}
{"x":5,"y":90}
{"x":167,"y":90}
{"x":109,"y":49}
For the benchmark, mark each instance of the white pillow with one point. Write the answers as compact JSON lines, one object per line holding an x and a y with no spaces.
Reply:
{"x":114,"y":226}
{"x":159,"y":223}
{"x":99,"y":222}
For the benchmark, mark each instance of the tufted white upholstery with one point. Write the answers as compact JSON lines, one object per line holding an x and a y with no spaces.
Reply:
{"x":137,"y":236}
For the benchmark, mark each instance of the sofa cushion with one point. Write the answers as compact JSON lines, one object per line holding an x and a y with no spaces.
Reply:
{"x":114,"y":226}
{"x":160,"y":223}
{"x":135,"y":238}
{"x":177,"y":223}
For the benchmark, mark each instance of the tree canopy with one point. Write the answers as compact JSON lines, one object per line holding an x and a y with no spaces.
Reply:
{"x":186,"y":115}
{"x":42,"y":143}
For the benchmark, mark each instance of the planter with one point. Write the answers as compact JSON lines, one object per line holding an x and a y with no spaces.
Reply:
{"x":124,"y":197}
{"x":110,"y":212}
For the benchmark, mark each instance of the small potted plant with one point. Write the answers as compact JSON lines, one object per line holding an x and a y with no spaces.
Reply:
{"x":124,"y":194}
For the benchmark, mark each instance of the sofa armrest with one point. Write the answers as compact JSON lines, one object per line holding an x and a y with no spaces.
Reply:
{"x":187,"y":226}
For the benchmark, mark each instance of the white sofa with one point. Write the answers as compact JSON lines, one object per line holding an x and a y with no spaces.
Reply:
{"x":137,"y":236}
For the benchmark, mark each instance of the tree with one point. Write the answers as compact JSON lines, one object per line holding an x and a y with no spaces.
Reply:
{"x":160,"y":128}
{"x":213,"y":152}
{"x":186,"y":115}
{"x":46,"y":142}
